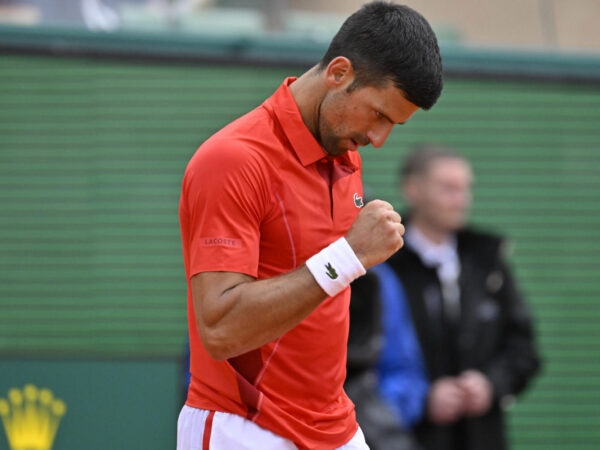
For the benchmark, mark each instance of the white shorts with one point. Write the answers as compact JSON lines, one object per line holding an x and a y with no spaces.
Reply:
{"x":199,"y":429}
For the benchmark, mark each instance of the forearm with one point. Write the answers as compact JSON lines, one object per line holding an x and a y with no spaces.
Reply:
{"x":251,"y":313}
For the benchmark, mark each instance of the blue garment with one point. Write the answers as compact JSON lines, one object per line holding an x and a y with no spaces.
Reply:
{"x":403,"y":382}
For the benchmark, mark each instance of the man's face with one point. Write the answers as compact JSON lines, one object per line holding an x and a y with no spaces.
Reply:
{"x":366,"y":115}
{"x":442,"y":196}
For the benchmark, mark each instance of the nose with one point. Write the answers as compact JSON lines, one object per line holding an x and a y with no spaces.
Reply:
{"x":378,"y":135}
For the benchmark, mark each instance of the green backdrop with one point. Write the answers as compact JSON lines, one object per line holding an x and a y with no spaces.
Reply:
{"x":92,"y":150}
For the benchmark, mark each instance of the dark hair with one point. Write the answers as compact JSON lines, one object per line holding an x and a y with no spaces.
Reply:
{"x":418,"y":161}
{"x":385,"y":41}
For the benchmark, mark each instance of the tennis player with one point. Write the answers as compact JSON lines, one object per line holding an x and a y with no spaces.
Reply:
{"x":274,"y":228}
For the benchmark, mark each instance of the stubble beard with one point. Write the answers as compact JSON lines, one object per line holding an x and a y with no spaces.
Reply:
{"x":328,"y":141}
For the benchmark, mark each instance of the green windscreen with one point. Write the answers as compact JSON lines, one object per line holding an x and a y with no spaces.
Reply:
{"x":91,"y":157}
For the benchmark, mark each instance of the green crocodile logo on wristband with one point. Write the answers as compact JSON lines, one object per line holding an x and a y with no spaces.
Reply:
{"x":331,"y":273}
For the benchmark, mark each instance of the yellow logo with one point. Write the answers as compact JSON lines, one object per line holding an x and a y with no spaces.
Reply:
{"x":31,"y":417}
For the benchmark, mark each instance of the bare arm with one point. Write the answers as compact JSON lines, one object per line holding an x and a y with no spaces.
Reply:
{"x":236,"y":314}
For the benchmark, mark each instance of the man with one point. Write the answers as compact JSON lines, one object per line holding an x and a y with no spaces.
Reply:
{"x":274,"y":230}
{"x":474,"y":328}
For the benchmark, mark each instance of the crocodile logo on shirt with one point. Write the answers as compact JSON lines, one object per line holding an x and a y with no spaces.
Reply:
{"x":331,"y":273}
{"x":358,"y":200}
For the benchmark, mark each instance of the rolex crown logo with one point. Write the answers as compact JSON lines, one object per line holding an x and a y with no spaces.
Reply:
{"x":331,"y":273}
{"x":31,"y":417}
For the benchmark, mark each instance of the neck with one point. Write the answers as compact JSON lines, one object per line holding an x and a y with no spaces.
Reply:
{"x":435,"y":235}
{"x":308,"y":93}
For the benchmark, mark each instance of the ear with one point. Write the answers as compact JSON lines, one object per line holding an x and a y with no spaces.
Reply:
{"x":339,"y":72}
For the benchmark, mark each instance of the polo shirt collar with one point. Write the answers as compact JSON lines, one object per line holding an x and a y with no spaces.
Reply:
{"x":286,"y":110}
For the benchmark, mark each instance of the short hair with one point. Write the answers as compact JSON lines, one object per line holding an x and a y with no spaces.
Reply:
{"x":386,"y":41}
{"x":418,"y":161}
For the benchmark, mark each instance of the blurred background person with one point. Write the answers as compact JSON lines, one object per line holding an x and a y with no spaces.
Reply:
{"x":384,"y":425}
{"x":474,"y":327}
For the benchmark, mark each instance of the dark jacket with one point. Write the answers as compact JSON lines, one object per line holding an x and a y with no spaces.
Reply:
{"x":495,"y":334}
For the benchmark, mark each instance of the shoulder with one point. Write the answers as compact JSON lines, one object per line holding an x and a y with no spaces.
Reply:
{"x":243,"y":146}
{"x":250,"y":133}
{"x":227,"y":166}
{"x":223,"y":162}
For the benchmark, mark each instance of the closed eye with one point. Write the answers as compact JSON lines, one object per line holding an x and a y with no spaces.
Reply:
{"x":381,"y":115}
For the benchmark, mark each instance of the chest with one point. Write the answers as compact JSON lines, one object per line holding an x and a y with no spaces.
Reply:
{"x":310,"y":207}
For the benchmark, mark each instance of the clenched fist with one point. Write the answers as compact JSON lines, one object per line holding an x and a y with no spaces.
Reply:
{"x":376,"y":233}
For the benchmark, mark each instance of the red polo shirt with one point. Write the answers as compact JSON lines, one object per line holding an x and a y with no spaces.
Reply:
{"x":257,"y":200}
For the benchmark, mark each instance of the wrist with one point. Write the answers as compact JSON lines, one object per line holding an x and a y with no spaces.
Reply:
{"x":335,"y":267}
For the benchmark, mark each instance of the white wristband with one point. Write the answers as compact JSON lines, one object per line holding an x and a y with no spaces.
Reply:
{"x":335,"y":267}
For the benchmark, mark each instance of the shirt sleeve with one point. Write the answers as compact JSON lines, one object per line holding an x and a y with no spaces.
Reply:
{"x":224,"y":194}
